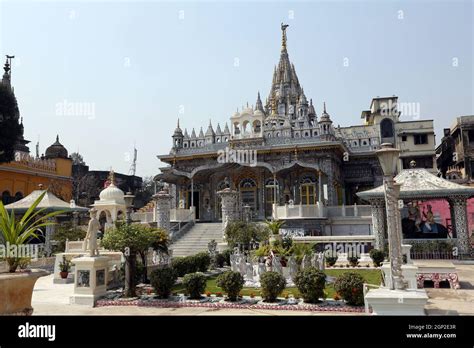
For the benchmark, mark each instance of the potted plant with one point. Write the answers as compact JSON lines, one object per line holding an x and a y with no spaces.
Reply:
{"x":16,"y":288}
{"x":274,"y":227}
{"x":65,"y":267}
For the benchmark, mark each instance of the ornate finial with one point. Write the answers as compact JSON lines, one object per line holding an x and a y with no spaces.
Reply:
{"x":6,"y":67}
{"x":324,"y":107}
{"x":178,"y":122}
{"x":283,"y":36}
{"x":111,"y":177}
{"x":57,"y":138}
{"x":412,"y":164}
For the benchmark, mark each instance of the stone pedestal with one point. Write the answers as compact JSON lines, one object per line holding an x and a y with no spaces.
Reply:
{"x":397,"y":302}
{"x":90,"y":277}
{"x":409,"y":272}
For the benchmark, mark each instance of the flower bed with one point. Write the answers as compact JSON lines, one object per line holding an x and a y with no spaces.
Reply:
{"x":244,"y":303}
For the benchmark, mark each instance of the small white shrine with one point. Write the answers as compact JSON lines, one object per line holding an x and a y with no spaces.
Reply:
{"x":111,"y":203}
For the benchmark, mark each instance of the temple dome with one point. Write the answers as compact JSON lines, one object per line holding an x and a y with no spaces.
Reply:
{"x":112,"y":193}
{"x":56,"y":150}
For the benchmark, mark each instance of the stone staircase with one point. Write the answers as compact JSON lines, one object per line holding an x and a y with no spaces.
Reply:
{"x":197,"y":238}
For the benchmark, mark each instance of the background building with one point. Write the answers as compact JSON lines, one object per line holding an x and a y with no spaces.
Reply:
{"x":25,"y":173}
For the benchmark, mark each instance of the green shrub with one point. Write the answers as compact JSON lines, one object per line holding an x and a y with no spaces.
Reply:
{"x":350,"y":287}
{"x":231,"y":283}
{"x":331,"y":260}
{"x":226,"y":253}
{"x":377,"y":256}
{"x":220,"y":260}
{"x":311,"y":282}
{"x":353,"y":260}
{"x":162,"y":280}
{"x":202,"y":261}
{"x":195,"y":284}
{"x":184,"y":265}
{"x":273,"y":284}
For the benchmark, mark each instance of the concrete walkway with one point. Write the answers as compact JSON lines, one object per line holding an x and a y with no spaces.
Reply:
{"x":53,"y":299}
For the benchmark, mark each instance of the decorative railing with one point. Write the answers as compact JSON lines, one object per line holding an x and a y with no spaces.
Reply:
{"x":320,"y":211}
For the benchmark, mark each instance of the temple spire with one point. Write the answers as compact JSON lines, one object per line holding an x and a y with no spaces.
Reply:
{"x":283,"y":36}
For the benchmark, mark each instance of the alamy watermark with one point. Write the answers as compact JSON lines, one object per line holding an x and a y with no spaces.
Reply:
{"x":242,"y":157}
{"x":19,"y":251}
{"x":69,"y":108}
{"x":409,"y":109}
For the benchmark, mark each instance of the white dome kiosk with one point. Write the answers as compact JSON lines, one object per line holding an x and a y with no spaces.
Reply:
{"x":111,"y":203}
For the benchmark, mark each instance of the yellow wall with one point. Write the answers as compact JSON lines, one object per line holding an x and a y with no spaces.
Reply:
{"x":15,"y":177}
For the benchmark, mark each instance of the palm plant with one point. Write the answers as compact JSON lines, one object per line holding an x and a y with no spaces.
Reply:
{"x":274,"y":225}
{"x":19,"y":231}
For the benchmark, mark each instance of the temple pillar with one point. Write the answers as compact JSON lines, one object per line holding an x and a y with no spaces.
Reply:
{"x":163,"y":207}
{"x":320,"y":187}
{"x":228,"y":202}
{"x":332,"y":197}
{"x":378,"y":222}
{"x":459,"y":221}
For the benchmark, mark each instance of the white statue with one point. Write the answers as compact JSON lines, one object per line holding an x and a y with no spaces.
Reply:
{"x":314,"y":261}
{"x":90,"y":242}
{"x":261,"y":268}
{"x":233,"y":266}
{"x":293,"y":267}
{"x":249,"y":271}
{"x":268,"y":263}
{"x":322,"y":261}
{"x":242,"y":266}
{"x":276,"y":265}
{"x":306,"y":262}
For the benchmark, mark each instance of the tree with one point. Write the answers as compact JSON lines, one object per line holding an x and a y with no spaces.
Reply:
{"x":244,"y":233}
{"x":10,"y":128}
{"x":144,"y":194}
{"x":132,"y":240}
{"x":77,"y":158}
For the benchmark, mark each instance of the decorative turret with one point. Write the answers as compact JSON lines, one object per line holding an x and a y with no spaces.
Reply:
{"x":302,"y":106}
{"x":313,"y":118}
{"x":325,"y":123}
{"x":258,"y":104}
{"x":210,"y":135}
{"x":178,"y":137}
{"x":226,"y":133}
{"x":201,"y":138}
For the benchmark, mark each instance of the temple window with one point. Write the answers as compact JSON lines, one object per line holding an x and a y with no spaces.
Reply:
{"x":386,"y":128}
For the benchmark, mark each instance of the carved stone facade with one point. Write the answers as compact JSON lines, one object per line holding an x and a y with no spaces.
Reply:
{"x":229,"y":203}
{"x":163,"y":207}
{"x":378,"y":223}
{"x":463,"y":243}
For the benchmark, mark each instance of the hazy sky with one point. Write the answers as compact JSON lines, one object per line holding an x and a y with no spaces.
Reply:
{"x":108,"y":75}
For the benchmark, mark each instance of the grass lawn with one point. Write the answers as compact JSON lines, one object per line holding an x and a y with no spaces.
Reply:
{"x":371,"y":276}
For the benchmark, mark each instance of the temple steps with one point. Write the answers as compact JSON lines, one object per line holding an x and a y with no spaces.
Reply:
{"x":197,"y":239}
